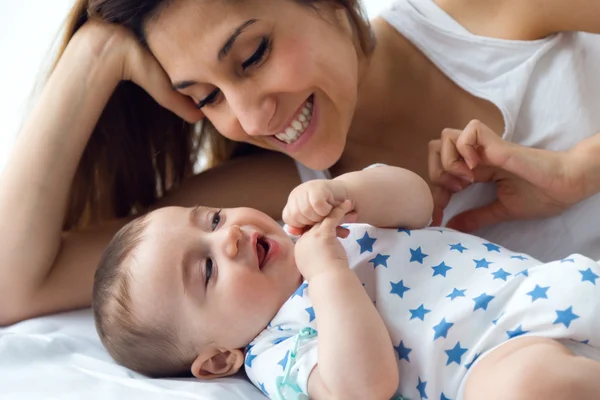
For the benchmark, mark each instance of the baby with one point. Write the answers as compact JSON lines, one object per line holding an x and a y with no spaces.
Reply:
{"x":361,"y":311}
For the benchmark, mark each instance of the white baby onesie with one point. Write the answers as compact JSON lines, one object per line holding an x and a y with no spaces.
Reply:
{"x":447,"y":299}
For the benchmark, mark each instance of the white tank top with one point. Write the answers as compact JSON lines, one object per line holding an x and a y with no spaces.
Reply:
{"x":548,"y":91}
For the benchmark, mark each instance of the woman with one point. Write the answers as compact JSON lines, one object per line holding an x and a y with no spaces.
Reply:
{"x":253,"y":68}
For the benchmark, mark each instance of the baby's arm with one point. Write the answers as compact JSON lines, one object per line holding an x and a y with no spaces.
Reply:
{"x":389,"y":197}
{"x":356,"y":359}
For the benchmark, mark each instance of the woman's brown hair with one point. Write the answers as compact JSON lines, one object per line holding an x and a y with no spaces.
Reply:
{"x":139,"y":150}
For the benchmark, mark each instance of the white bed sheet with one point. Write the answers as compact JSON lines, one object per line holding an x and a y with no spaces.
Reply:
{"x":61,"y":357}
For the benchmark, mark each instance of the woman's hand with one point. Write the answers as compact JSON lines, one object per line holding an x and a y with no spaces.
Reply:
{"x":531,"y":183}
{"x":132,"y":62}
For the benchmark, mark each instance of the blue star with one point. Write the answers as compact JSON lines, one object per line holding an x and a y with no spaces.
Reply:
{"x":457,"y":293}
{"x":281,"y":339}
{"x":492,"y":247}
{"x":419,"y":313}
{"x":587,"y":341}
{"x":262,"y":388}
{"x":482,"y":301}
{"x":501,"y":274}
{"x":519,"y":257}
{"x":469,"y":365}
{"x":249,"y":358}
{"x":517,"y":332}
{"x":524,"y":273}
{"x":417,"y":255}
{"x":539,"y":293}
{"x":589,"y":276}
{"x":279,"y":328}
{"x":567,"y":260}
{"x":483,"y":263}
{"x":495,"y":322}
{"x":441,"y":269}
{"x":421,"y":388}
{"x":366,"y":243}
{"x":379,"y":259}
{"x":441,"y":329}
{"x":455,"y":354}
{"x":443,"y":397}
{"x":402,"y":352}
{"x":407,"y":231}
{"x":565,"y":317}
{"x":399,"y":288}
{"x":311,"y":313}
{"x":283,"y":362}
{"x":300,"y":291}
{"x":458,"y":247}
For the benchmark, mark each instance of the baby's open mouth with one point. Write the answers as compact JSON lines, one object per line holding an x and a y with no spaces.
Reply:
{"x":262,"y":249}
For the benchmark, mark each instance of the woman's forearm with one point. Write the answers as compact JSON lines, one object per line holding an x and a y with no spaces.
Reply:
{"x":585,"y":159}
{"x":356,"y":356}
{"x":34,"y":187}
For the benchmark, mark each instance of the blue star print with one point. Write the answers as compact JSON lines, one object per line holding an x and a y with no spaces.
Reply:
{"x":538,"y":293}
{"x":441,"y":329}
{"x":501,"y":274}
{"x":249,"y":358}
{"x":524,"y":273}
{"x":366,"y":243}
{"x":399,"y":288}
{"x":455,"y":354}
{"x":588,"y":275}
{"x":457,"y":293}
{"x":483,"y":263}
{"x":567,"y":260}
{"x":458,"y":247}
{"x":495,"y":322}
{"x":407,"y":231}
{"x":281,"y":339}
{"x":419,"y":312}
{"x":379,"y":259}
{"x":469,"y":365}
{"x":421,"y":388}
{"x":300,"y":291}
{"x":311,"y":313}
{"x":565,"y":317}
{"x":402,"y":351}
{"x":441,"y":269}
{"x":519,"y":257}
{"x":482,"y":301}
{"x":443,"y":397}
{"x":492,"y":247}
{"x":284,"y":360}
{"x":517,"y":332}
{"x":417,"y":255}
{"x":262,"y":388}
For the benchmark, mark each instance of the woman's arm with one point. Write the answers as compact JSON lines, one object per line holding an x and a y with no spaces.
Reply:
{"x":524,"y":19}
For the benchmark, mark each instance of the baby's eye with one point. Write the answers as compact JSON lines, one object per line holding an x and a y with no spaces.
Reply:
{"x":216,"y":220}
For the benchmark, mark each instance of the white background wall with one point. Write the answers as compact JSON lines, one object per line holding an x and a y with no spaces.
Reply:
{"x":28,"y":31}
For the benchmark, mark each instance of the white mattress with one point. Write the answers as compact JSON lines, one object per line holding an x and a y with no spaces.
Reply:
{"x":61,"y":357}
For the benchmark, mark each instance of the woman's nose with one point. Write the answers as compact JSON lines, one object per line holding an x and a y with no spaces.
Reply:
{"x":233,"y":236}
{"x":253,"y":111}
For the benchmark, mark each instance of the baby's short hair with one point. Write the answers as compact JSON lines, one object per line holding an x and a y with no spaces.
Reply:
{"x":142,"y":346}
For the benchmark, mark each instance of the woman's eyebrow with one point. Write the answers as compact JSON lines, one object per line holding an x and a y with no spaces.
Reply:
{"x":222,"y":53}
{"x":231,"y":40}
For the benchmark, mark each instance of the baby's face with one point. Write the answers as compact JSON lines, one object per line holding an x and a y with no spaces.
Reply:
{"x":216,"y":276}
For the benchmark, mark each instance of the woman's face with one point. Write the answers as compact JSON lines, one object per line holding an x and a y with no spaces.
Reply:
{"x":273,"y":73}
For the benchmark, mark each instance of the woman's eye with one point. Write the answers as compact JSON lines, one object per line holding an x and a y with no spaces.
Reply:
{"x":259,"y":54}
{"x":216,"y":220}
{"x":208,"y":270}
{"x":209,"y":100}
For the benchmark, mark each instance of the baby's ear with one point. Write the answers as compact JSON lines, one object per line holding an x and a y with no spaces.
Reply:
{"x":217,"y":363}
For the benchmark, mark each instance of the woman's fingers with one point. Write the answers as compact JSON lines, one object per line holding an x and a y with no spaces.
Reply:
{"x":438,"y":174}
{"x":452,"y":160}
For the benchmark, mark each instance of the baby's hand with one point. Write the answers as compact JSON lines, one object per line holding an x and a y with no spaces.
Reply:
{"x":312,"y":201}
{"x":319,"y":249}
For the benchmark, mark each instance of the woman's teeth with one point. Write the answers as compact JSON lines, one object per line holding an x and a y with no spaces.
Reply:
{"x":298,"y":125}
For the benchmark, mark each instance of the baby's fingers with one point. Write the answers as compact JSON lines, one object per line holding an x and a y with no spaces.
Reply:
{"x":335,"y":218}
